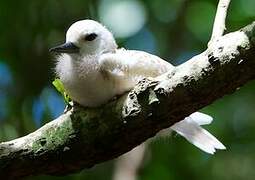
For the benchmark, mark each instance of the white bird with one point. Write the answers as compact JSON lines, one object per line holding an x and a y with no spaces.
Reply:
{"x":93,"y":71}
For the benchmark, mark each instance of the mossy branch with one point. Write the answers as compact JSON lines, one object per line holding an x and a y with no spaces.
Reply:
{"x":83,"y":137}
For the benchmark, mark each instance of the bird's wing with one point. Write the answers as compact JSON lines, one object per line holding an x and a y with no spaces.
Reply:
{"x":126,"y":67}
{"x":133,"y":64}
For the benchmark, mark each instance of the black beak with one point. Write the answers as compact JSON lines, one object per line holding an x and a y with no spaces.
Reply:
{"x":65,"y":48}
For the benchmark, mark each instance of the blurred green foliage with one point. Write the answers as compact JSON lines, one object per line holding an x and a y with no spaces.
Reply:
{"x":173,"y":29}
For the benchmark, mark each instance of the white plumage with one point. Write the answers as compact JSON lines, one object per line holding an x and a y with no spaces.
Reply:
{"x":191,"y":130}
{"x":95,"y":79}
{"x":93,"y":71}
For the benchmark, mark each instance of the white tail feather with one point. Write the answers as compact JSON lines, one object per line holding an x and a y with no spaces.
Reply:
{"x":201,"y":118}
{"x":190,"y":129}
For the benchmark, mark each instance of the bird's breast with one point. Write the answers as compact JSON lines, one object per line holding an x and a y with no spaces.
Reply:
{"x":91,"y":90}
{"x":89,"y":84}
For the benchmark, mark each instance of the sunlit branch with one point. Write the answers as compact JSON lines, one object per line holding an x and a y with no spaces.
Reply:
{"x":84,"y":137}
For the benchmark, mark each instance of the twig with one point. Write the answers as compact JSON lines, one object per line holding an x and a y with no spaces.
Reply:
{"x":219,"y":22}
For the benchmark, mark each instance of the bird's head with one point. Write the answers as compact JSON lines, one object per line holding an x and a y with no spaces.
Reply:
{"x":86,"y":37}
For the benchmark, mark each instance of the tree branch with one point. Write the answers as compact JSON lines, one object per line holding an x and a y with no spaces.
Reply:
{"x":219,"y":22}
{"x":83,"y":137}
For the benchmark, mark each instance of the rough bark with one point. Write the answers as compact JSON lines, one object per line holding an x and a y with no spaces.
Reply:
{"x":83,"y":137}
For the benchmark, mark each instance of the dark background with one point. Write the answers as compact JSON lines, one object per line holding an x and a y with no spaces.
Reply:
{"x":173,"y":29}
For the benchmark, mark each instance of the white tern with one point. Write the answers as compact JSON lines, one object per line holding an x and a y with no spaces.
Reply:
{"x":93,"y":71}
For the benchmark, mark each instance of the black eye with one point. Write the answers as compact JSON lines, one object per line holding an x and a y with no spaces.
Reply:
{"x":90,"y":37}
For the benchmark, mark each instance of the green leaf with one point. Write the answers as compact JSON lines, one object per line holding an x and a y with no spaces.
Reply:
{"x":60,"y":88}
{"x":58,"y":85}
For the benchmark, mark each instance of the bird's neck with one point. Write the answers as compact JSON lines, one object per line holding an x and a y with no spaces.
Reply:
{"x":69,"y":69}
{"x":86,"y":66}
